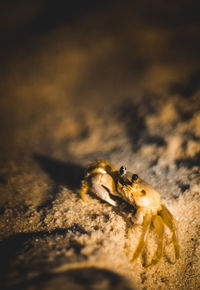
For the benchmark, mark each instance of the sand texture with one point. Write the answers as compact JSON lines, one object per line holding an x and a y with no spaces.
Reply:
{"x":117,"y":81}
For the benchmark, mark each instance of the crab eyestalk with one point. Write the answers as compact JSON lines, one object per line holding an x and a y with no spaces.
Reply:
{"x":122,"y":171}
{"x":134,"y":178}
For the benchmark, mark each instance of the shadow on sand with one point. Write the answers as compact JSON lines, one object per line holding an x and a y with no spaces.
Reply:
{"x":22,"y":245}
{"x":62,"y":173}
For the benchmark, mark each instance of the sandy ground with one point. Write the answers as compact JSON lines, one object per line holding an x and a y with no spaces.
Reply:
{"x":117,"y":81}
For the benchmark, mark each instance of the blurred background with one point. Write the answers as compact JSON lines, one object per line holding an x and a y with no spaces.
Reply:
{"x":61,"y":55}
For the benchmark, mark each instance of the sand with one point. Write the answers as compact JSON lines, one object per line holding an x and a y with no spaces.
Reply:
{"x":119,"y":83}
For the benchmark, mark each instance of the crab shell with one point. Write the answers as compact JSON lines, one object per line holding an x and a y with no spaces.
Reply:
{"x":140,"y":194}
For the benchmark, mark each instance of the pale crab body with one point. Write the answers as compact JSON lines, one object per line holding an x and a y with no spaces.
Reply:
{"x":141,"y":194}
{"x":103,"y":179}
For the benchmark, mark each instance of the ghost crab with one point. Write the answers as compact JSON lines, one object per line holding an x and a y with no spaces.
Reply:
{"x":102,"y":178}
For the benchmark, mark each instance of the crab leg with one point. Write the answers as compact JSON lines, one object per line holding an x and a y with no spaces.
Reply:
{"x":159,"y":227}
{"x":170,"y":222}
{"x":141,"y":244}
{"x":84,"y":189}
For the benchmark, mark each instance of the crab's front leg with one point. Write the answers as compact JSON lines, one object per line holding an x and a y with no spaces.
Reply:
{"x":170,"y":222}
{"x":100,"y":183}
{"x":146,"y":226}
{"x":159,"y":227}
{"x":146,"y":219}
{"x":139,"y":216}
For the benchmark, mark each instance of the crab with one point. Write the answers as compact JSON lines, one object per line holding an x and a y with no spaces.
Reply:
{"x":103,"y":179}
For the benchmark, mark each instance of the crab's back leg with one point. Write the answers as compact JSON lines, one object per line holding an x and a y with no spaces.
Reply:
{"x":170,"y":222}
{"x":84,"y":188}
{"x":145,"y":231}
{"x":159,"y":227}
{"x":100,"y":165}
{"x":99,"y":189}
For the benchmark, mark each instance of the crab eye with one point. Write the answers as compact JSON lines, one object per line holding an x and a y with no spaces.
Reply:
{"x":134,"y":177}
{"x":122,"y":170}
